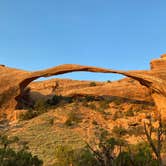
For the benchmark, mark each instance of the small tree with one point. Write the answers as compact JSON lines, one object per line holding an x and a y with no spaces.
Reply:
{"x":156,"y":145}
{"x":104,"y":152}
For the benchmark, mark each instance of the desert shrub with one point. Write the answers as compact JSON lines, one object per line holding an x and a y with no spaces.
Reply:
{"x":25,"y":101}
{"x":104,"y":104}
{"x":144,"y":107}
{"x":101,"y":110}
{"x":94,"y":122}
{"x":66,"y":155}
{"x":143,"y":157}
{"x":98,"y":106}
{"x":72,"y":118}
{"x":11,"y":157}
{"x":104,"y":150}
{"x":89,"y":98}
{"x":92,"y":84}
{"x":39,"y":108}
{"x":117,"y":115}
{"x":123,"y":159}
{"x":118,"y":101}
{"x":126,"y":155}
{"x":108,"y":81}
{"x":50,"y":121}
{"x":119,"y":130}
{"x":58,"y":99}
{"x":85,"y":103}
{"x":87,"y":158}
{"x":159,"y":132}
{"x":130,"y":112}
{"x":28,"y":115}
{"x":92,"y":106}
{"x":55,"y":100}
{"x":69,"y":99}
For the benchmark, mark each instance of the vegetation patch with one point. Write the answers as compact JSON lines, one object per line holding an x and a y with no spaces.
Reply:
{"x":129,"y":113}
{"x":92,"y":84}
{"x":19,"y":157}
{"x":119,"y":131}
{"x":117,"y":115}
{"x":66,"y":155}
{"x":72,"y":118}
{"x":39,"y":108}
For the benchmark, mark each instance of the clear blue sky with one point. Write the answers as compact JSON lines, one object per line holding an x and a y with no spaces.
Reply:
{"x":119,"y":34}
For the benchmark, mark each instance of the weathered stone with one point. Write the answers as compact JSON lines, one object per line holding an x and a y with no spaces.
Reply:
{"x":14,"y":81}
{"x":159,"y":64}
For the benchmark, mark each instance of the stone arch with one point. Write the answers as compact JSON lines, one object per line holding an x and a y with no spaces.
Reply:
{"x":146,"y":78}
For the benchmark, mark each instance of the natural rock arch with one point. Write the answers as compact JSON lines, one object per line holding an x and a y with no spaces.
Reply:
{"x":14,"y":81}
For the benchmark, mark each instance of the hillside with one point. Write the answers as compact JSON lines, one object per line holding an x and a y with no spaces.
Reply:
{"x":71,"y":112}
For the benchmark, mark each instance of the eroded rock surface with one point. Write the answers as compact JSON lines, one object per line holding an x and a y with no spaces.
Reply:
{"x":159,"y":64}
{"x":14,"y":81}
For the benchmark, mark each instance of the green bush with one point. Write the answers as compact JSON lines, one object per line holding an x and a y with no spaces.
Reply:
{"x":142,"y":155}
{"x":104,"y":150}
{"x":125,"y":155}
{"x":55,"y":100}
{"x":89,"y":98}
{"x":11,"y":157}
{"x":119,"y":130}
{"x":39,"y":108}
{"x":141,"y":158}
{"x":66,"y":155}
{"x":92,"y":84}
{"x":72,"y":118}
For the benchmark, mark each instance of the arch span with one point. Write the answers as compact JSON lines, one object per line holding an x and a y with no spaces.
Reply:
{"x":21,"y":80}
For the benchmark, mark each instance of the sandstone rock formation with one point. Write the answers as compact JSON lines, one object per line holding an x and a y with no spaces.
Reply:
{"x":125,"y":88}
{"x":14,"y":81}
{"x":159,"y":64}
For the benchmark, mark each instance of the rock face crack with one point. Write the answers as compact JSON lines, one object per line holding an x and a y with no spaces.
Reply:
{"x":14,"y":81}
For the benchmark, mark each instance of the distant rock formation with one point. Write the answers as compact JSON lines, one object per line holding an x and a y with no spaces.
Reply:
{"x":14,"y":81}
{"x":159,"y":64}
{"x":124,"y":88}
